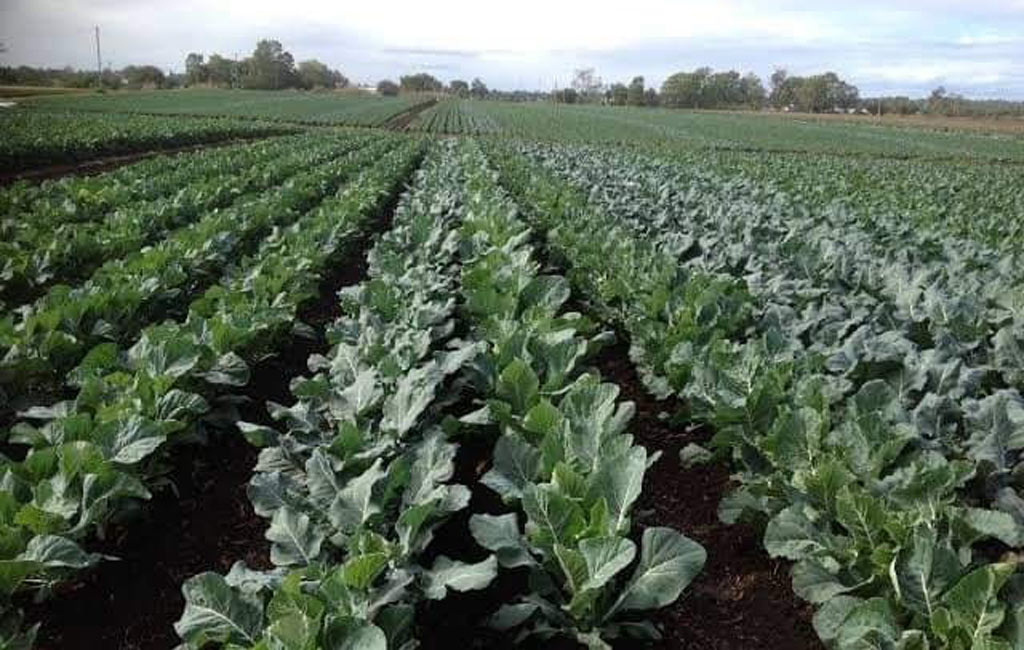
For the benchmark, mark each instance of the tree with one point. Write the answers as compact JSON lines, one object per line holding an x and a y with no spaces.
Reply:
{"x":458,"y":87}
{"x":618,"y":94}
{"x":222,"y":72}
{"x":478,"y":89}
{"x":420,"y":83}
{"x":752,"y":90}
{"x":143,"y":76}
{"x":270,"y":67}
{"x":315,"y":74}
{"x":566,"y":96}
{"x":387,"y":88}
{"x":824,"y":92}
{"x":635,"y":92}
{"x":685,"y":89}
{"x":196,"y":71}
{"x":587,"y":84}
{"x":651,"y":97}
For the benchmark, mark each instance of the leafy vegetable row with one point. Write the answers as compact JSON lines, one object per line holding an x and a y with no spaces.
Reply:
{"x":40,"y":255}
{"x":82,"y":198}
{"x":843,"y":431}
{"x":356,"y":484}
{"x":355,"y":488}
{"x":51,"y":336}
{"x":964,"y":200}
{"x":34,"y":139}
{"x":95,"y":455}
{"x":562,"y":455}
{"x":455,"y":116}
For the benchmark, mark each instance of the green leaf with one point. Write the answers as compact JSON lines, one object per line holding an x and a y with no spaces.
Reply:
{"x":500,"y":534}
{"x":355,"y":502}
{"x":972,"y":601}
{"x":215,"y":613}
{"x":546,"y":292}
{"x":518,"y":385}
{"x":360,"y":571}
{"x":605,"y":557}
{"x":869,"y":624}
{"x":229,"y":370}
{"x":53,"y":551}
{"x":619,"y":481}
{"x":354,"y":634}
{"x":552,"y":517}
{"x":516,"y":465}
{"x":668,"y":563}
{"x":296,"y":541}
{"x":414,"y":392}
{"x":693,"y":455}
{"x":449,"y":574}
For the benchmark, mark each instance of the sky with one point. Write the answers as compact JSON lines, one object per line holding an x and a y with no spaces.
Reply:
{"x":975,"y":47}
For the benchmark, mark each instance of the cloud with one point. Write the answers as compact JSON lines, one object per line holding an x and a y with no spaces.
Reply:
{"x":536,"y":43}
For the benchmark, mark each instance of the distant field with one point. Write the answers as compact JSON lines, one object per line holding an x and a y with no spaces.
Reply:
{"x":366,"y":368}
{"x":354,"y":109}
{"x":32,"y":91}
{"x":1002,"y":124}
{"x":743,"y":131}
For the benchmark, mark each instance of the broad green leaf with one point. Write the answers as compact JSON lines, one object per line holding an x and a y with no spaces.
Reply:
{"x":972,"y":602}
{"x":216,"y":613}
{"x":450,"y":574}
{"x":355,"y":502}
{"x":518,"y":385}
{"x":605,"y":557}
{"x":516,"y":465}
{"x":500,"y":534}
{"x":413,"y":394}
{"x":354,"y":634}
{"x":552,"y":517}
{"x":668,"y":563}
{"x":619,"y":481}
{"x":296,"y":541}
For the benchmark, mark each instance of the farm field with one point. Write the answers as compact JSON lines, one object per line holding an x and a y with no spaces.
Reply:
{"x":580,"y":377}
{"x":304,"y":107}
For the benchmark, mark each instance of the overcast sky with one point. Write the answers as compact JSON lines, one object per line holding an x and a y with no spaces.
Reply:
{"x":971,"y":46}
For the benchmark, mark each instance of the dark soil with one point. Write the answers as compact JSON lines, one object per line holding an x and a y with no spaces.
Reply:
{"x":206,"y":526}
{"x":743,"y":599}
{"x":206,"y":523}
{"x":107,"y":163}
{"x":402,"y":120}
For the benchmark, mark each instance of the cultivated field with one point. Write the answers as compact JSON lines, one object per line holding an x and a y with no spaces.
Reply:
{"x":579,"y":377}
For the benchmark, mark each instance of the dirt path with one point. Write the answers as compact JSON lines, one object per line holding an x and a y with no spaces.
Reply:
{"x":401,"y":121}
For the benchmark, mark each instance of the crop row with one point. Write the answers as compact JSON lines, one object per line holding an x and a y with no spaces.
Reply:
{"x":36,"y":139}
{"x":96,"y":455}
{"x":77,"y":199}
{"x":44,"y":249}
{"x":324,"y":108}
{"x":358,"y":483}
{"x":455,"y":116}
{"x":869,"y":399}
{"x":952,"y":201}
{"x":52,"y":335}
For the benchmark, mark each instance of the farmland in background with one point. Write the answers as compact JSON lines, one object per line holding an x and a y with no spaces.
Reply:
{"x":582,"y":377}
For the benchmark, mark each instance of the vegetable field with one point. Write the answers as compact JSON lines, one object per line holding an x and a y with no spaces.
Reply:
{"x":594,"y":379}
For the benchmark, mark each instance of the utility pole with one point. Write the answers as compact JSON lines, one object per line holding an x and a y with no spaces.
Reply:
{"x":99,"y":64}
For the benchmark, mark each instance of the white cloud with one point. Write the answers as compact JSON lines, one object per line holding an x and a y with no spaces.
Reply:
{"x":533,"y":42}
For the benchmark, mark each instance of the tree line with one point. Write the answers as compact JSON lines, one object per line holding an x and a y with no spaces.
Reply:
{"x":704,"y":88}
{"x":427,"y":83}
{"x":269,"y":67}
